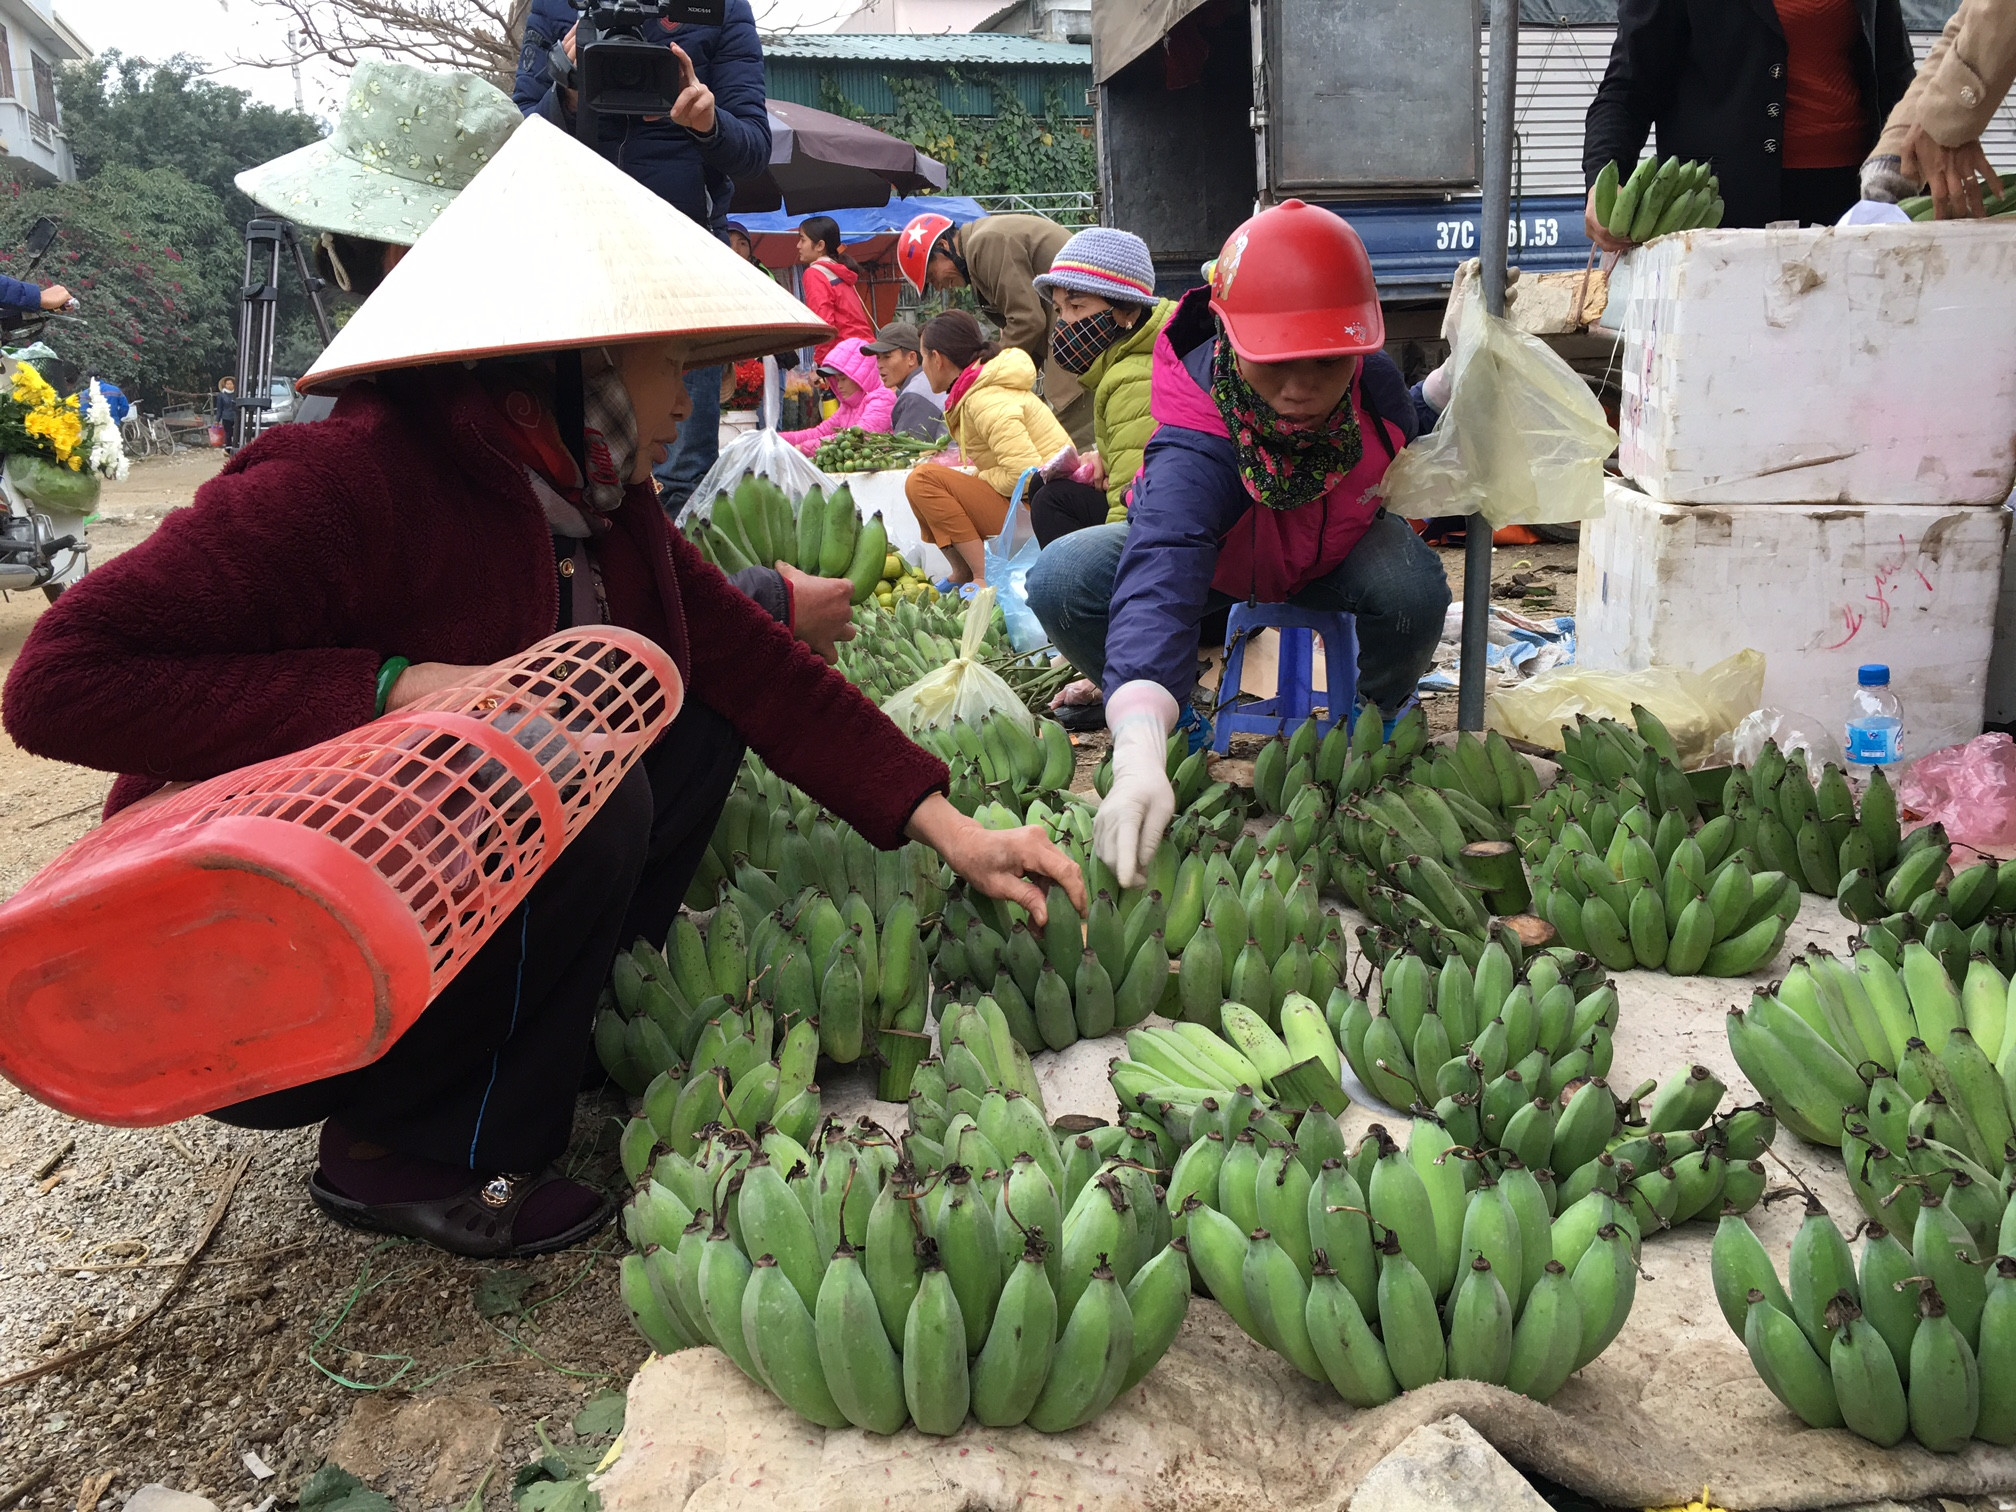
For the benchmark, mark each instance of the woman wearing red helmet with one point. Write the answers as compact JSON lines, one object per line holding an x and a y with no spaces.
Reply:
{"x":1278,"y":416}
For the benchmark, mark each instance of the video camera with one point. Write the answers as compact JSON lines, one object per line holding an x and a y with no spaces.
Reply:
{"x":620,"y":73}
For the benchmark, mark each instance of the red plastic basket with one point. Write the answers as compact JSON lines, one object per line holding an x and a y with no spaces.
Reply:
{"x":288,"y":921}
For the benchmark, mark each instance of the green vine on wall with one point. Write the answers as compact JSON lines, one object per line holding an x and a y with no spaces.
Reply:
{"x":1010,"y":152}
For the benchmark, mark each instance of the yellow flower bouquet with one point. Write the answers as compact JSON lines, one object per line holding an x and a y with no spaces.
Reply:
{"x":55,"y":452}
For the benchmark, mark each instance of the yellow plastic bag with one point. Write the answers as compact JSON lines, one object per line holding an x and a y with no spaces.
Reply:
{"x":1522,"y":442}
{"x":1696,"y":707}
{"x":963,"y":689}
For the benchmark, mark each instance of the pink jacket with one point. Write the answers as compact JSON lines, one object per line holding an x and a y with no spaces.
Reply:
{"x":870,"y":409}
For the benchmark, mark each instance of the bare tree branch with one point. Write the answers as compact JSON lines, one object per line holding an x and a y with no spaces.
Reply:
{"x":479,"y":36}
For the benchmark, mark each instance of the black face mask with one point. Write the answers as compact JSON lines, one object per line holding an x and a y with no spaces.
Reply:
{"x":1077,"y":344}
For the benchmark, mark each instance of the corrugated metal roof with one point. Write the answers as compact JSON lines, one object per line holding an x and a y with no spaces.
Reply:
{"x":975,"y":49}
{"x":1919,"y":15}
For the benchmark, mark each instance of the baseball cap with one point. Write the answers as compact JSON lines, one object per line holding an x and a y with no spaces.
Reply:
{"x":897,"y":336}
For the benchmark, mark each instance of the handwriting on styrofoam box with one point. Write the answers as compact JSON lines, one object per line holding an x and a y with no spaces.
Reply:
{"x":1896,"y":582}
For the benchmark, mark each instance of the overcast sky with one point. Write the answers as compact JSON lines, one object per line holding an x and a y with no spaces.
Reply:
{"x":223,"y":31}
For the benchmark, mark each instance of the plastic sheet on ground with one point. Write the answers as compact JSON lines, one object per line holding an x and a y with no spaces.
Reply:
{"x":1518,"y":647}
{"x":1223,"y":1425}
{"x":1697,"y":707}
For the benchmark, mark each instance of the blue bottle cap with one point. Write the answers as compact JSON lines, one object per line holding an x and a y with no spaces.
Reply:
{"x":1873,"y":676}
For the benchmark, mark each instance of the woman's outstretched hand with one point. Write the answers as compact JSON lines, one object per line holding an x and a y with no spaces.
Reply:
{"x":1005,"y":864}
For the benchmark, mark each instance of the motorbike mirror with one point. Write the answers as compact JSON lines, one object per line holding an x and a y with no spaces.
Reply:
{"x":40,"y":235}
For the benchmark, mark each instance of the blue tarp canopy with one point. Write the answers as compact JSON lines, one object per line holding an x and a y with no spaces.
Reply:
{"x":866,"y":225}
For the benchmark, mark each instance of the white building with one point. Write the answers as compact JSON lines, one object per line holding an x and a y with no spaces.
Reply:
{"x":917,"y":17}
{"x":34,"y":43}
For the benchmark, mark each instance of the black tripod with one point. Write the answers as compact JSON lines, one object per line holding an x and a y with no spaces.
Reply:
{"x":258,"y":318}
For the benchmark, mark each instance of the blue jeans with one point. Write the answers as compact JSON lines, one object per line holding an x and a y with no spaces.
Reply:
{"x":1391,"y":583}
{"x":699,"y":441}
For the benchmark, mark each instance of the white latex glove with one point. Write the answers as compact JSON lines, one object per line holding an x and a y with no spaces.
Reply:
{"x":1137,"y":809}
{"x":1437,"y":387}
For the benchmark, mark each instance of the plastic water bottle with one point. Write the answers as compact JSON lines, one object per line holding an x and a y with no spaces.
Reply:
{"x":1875,"y":721}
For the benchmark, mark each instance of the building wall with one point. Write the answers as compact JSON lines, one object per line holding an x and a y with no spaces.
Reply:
{"x":35,"y":48}
{"x":919,"y":16}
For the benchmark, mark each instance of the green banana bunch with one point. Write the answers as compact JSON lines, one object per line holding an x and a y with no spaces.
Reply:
{"x":996,"y":759}
{"x":821,"y":1262}
{"x":896,"y":646}
{"x":1907,"y":1072}
{"x":1391,"y":1269}
{"x":1659,"y":197}
{"x":1918,"y":1340}
{"x":1184,"y":1076}
{"x":773,"y":841}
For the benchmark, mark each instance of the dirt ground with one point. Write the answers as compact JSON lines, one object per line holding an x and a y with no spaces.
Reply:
{"x":292,"y":1341}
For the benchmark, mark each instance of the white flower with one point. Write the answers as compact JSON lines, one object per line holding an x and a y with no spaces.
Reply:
{"x":107,"y":453}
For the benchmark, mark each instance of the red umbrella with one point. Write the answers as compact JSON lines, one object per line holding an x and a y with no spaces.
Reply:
{"x":820,"y":161}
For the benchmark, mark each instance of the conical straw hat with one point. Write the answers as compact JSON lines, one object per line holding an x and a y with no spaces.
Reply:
{"x":551,"y":247}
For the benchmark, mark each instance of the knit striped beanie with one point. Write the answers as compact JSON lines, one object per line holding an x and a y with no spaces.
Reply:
{"x":1099,"y":260}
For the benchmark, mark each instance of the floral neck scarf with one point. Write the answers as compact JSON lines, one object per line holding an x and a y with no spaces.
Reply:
{"x":1282,"y":467}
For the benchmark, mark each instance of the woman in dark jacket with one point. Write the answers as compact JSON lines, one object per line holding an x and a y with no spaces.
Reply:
{"x":1785,"y":98}
{"x":438,"y":521}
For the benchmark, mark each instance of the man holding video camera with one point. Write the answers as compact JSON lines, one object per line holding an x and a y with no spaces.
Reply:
{"x":685,"y":121}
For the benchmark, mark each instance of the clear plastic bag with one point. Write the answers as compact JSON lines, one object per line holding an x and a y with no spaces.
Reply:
{"x":1010,"y":556}
{"x":1791,"y":730}
{"x":1522,"y":442}
{"x":963,"y":689}
{"x":1969,"y":788}
{"x":1697,"y":707}
{"x":762,"y":451}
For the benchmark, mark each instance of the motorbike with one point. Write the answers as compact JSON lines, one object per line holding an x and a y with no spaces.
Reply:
{"x":40,"y":547}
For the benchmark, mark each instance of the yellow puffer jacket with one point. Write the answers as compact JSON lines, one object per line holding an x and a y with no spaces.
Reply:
{"x":1002,"y":428}
{"x":1121,"y":423}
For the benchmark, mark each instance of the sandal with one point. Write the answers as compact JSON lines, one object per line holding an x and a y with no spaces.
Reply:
{"x":475,"y":1223}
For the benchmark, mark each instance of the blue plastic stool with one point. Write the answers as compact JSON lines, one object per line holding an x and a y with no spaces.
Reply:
{"x":1293,"y":701}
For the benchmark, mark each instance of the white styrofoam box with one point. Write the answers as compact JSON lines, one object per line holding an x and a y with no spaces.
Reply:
{"x":1863,"y":364}
{"x":2002,"y":663}
{"x":1818,"y":589}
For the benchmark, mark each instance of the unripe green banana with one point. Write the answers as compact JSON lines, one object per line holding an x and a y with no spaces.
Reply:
{"x":891,"y":1265}
{"x":1352,"y":1356}
{"x":1547,"y":1337}
{"x":654,"y":1320}
{"x":1283,"y":1188}
{"x":1278,"y":1298}
{"x":724,"y":1276}
{"x":1340,"y":1227}
{"x":1095,"y":1228}
{"x":1867,"y":1387}
{"x":1785,"y":1361}
{"x":1490,"y":1232}
{"x":970,"y":1255}
{"x":1092,"y":1358}
{"x":1942,"y":1249}
{"x":1606,"y":1283}
{"x":1480,"y":1326}
{"x":1740,"y":1265}
{"x":1158,"y":1300}
{"x":1218,"y":1251}
{"x":1431,"y":1152}
{"x":1821,"y":1268}
{"x":1012,"y":1366}
{"x":1408,"y":1322}
{"x":1996,"y":1358}
{"x":1398,"y":1201}
{"x":1237,"y":1196}
{"x":783,"y":1343}
{"x":1945,"y":1390}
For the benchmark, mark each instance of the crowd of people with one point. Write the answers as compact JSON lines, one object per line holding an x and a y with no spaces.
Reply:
{"x":464,"y":493}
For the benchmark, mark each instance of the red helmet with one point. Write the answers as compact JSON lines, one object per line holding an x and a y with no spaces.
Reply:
{"x":1295,"y":282}
{"x":913,"y":246}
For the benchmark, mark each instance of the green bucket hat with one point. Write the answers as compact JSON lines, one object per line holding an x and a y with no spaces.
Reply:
{"x":408,"y":141}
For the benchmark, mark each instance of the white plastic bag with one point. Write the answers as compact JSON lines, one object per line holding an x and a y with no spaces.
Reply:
{"x":1522,"y":442}
{"x":963,"y":689}
{"x":762,"y":451}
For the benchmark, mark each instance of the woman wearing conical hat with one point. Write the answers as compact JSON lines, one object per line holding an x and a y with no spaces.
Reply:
{"x":465,"y":499}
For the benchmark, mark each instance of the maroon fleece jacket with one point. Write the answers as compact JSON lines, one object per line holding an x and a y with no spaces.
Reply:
{"x":254,"y":622}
